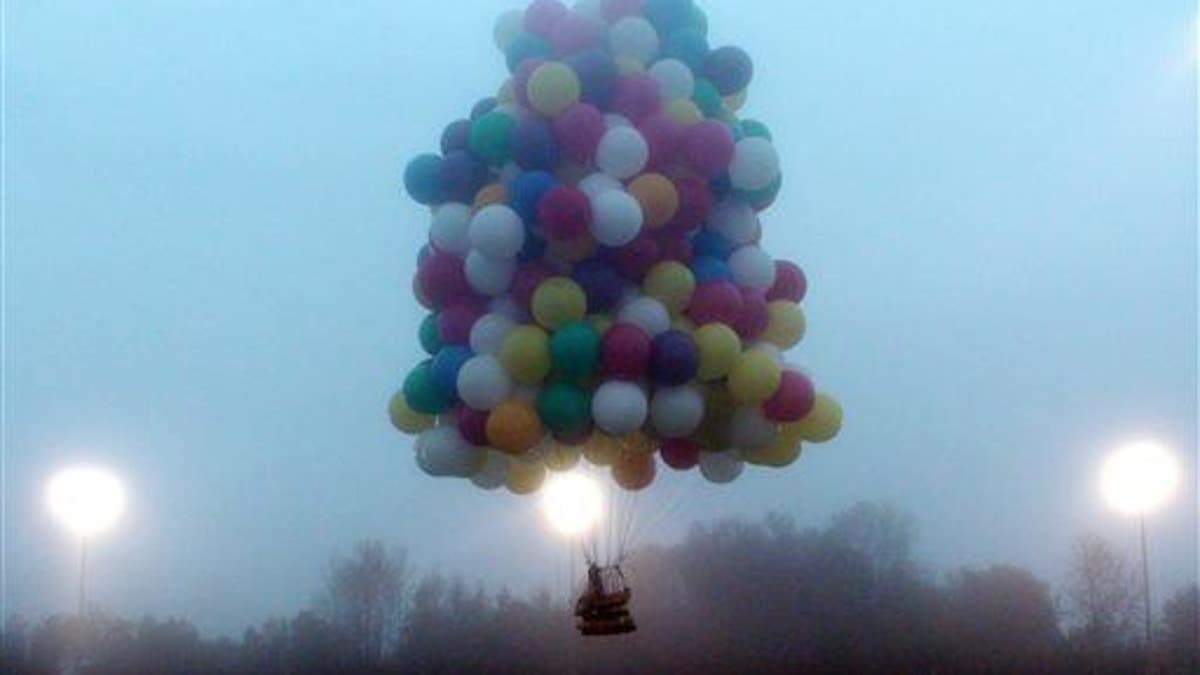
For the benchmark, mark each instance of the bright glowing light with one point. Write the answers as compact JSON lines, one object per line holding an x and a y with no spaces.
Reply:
{"x":86,"y":499}
{"x":1139,"y":477}
{"x":572,"y":503}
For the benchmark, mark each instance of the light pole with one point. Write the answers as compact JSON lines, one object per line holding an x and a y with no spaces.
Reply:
{"x":1136,"y":479}
{"x":87,"y":501}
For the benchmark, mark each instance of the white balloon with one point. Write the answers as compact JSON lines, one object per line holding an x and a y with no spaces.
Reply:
{"x":675,"y":79}
{"x":497,"y":232}
{"x":752,"y":268}
{"x":622,"y":152}
{"x":634,"y":37}
{"x":749,"y":429}
{"x":616,"y":218}
{"x":442,"y":451}
{"x":489,"y":276}
{"x":510,"y":25}
{"x":721,"y":467}
{"x":676,"y":411}
{"x":598,"y":183}
{"x":755,"y":164}
{"x":483,"y":383}
{"x":735,"y":221}
{"x":614,"y":120}
{"x":593,"y":9}
{"x":619,"y":407}
{"x":646,"y":313}
{"x":489,"y":332}
{"x":450,"y":229}
{"x":493,"y":474}
{"x":507,"y":306}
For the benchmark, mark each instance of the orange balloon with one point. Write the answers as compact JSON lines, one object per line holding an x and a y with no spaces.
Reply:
{"x":514,"y":427}
{"x":492,"y":193}
{"x":658,"y":197}
{"x":634,"y":471}
{"x":571,"y":250}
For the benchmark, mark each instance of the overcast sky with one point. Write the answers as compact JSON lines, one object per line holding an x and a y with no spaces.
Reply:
{"x":208,"y":261}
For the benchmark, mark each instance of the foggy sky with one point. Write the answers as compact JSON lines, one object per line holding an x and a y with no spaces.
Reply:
{"x":208,"y":259}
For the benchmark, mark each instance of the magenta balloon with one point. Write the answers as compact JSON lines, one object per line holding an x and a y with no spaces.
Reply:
{"x":680,"y":454}
{"x":635,"y":259}
{"x":455,"y":322}
{"x":441,"y":279}
{"x":543,"y":15}
{"x":709,"y":147}
{"x":472,"y":424}
{"x":528,"y":277}
{"x":576,"y":33}
{"x":677,"y":247}
{"x":521,"y":80}
{"x":565,"y":213}
{"x":578,"y":131}
{"x":754,"y":317}
{"x":624,"y":352}
{"x":695,"y":202}
{"x":637,"y":98}
{"x":716,"y":302}
{"x":793,"y":400}
{"x":790,"y":282}
{"x":662,"y":134}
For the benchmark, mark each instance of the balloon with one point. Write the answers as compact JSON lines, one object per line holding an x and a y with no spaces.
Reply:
{"x":455,"y":322}
{"x":553,"y":88}
{"x":719,"y":407}
{"x":565,"y":213}
{"x":576,"y":33}
{"x":619,"y":407}
{"x":646,"y":313}
{"x":622,"y":152}
{"x":786,"y":326}
{"x":614,"y":10}
{"x":634,"y":260}
{"x":430,"y":338}
{"x":688,"y":45}
{"x":445,"y":368}
{"x":790,"y":282}
{"x":422,"y":392}
{"x":494,"y":193}
{"x":636,"y":97}
{"x":526,"y":354}
{"x":625,"y":351}
{"x":564,"y":407}
{"x":673,"y":358}
{"x":563,"y":458}
{"x":472,"y":424}
{"x":680,"y":454}
{"x":489,"y":332}
{"x":736,"y":222}
{"x":489,"y":276}
{"x":729,"y":69}
{"x":442,"y":452}
{"x":657,"y":196}
{"x":718,"y":349}
{"x":492,"y":473}
{"x":578,"y":131}
{"x":684,"y":110}
{"x":708,"y":147}
{"x":669,"y":15}
{"x":706,"y":97}
{"x":527,"y":280}
{"x":524,"y":47}
{"x":460,"y":176}
{"x":449,"y":230}
{"x":662,"y":133}
{"x":706,"y":269}
{"x":749,"y":429}
{"x":513,"y":426}
{"x":421,"y":179}
{"x":713,"y":245}
{"x":715,"y":302}
{"x":755,"y":377}
{"x":675,"y":79}
{"x":752,"y":268}
{"x":755,"y":164}
{"x":754,"y":318}
{"x":575,"y":350}
{"x":404,"y":418}
{"x":491,"y":137}
{"x":534,"y":146}
{"x":676,"y":412}
{"x":822,"y":423}
{"x":558,"y":301}
{"x":597,"y":73}
{"x":616,"y":218}
{"x":527,"y":190}
{"x":783,"y":452}
{"x":633,"y":471}
{"x":721,"y":467}
{"x":482,"y":382}
{"x":598,"y":183}
{"x":525,"y":479}
{"x":601,"y":450}
{"x":497,"y":232}
{"x":633,"y":37}
{"x":508,"y":27}
{"x":794,"y":399}
{"x":440,"y":277}
{"x":543,"y":15}
{"x":672,"y":284}
{"x":600,"y":282}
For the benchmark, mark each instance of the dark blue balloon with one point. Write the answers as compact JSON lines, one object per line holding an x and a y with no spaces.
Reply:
{"x":461,"y":176}
{"x":673,"y":358}
{"x":456,"y":136}
{"x":709,"y":243}
{"x":533,"y":248}
{"x":688,"y":45}
{"x":527,"y":46}
{"x":445,"y":367}
{"x":729,"y":68}
{"x":534,"y":146}
{"x":597,"y":73}
{"x":706,"y":268}
{"x":422,"y":179}
{"x":720,"y":188}
{"x":483,"y":107}
{"x":601,"y":282}
{"x":526,"y":192}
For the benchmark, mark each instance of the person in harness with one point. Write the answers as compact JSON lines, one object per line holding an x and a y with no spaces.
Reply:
{"x":603,"y":608}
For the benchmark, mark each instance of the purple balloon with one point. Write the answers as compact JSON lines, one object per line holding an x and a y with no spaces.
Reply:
{"x":597,"y":75}
{"x":533,"y":144}
{"x":709,"y":147}
{"x":576,"y":33}
{"x":673,"y":358}
{"x":521,"y":79}
{"x":457,"y":136}
{"x":461,"y":176}
{"x":578,"y":131}
{"x":637,"y":97}
{"x":662,"y":134}
{"x":602,"y":284}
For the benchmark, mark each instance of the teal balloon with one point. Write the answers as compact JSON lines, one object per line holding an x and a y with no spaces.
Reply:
{"x":491,"y":138}
{"x":423,"y":394}
{"x":564,"y":407}
{"x":688,"y":45}
{"x":761,"y":199}
{"x":755,"y":129}
{"x":668,"y":15}
{"x":575,"y":350}
{"x":422,"y":179}
{"x":526,"y":46}
{"x":698,"y":20}
{"x":707,"y":98}
{"x":431,"y":342}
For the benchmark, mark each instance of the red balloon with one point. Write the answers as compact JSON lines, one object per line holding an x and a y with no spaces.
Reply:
{"x":635,"y":259}
{"x":709,"y":147}
{"x":455,"y":322}
{"x":472,"y":424}
{"x":624,"y":352}
{"x":578,"y":131}
{"x":565,"y":213}
{"x":637,"y":98}
{"x":543,"y":15}
{"x":675,"y":247}
{"x":442,"y":280}
{"x":754,"y":317}
{"x":793,"y":400}
{"x":527,"y":279}
{"x":716,"y":301}
{"x":680,"y":453}
{"x":695,"y":201}
{"x":662,"y":134}
{"x":790,"y":282}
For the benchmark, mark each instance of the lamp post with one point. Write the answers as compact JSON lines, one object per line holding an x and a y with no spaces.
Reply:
{"x":1136,"y":479}
{"x":88,"y":501}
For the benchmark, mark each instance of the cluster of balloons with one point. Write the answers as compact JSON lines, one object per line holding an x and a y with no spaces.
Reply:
{"x":593,"y":272}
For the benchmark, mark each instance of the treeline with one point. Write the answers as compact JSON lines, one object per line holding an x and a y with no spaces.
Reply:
{"x":733,"y":597}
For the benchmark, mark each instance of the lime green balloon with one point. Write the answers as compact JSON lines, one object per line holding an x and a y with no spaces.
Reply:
{"x":422,"y":393}
{"x":671,"y":283}
{"x":719,"y":348}
{"x":405,"y":418}
{"x":575,"y":350}
{"x":755,"y":377}
{"x":431,"y":342}
{"x":822,"y":423}
{"x":525,"y":354}
{"x":558,"y":301}
{"x":491,"y":137}
{"x":564,"y":407}
{"x":553,"y":88}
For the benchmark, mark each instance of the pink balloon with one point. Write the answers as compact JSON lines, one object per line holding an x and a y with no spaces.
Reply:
{"x":624,"y":352}
{"x":716,"y":302}
{"x":565,"y":213}
{"x":441,"y":279}
{"x":637,"y":98}
{"x":790,"y":282}
{"x":635,"y":259}
{"x":662,"y":134}
{"x":578,"y":131}
{"x":576,"y":33}
{"x":709,"y":147}
{"x":754,"y":317}
{"x":680,"y":454}
{"x":543,"y":15}
{"x":793,"y":400}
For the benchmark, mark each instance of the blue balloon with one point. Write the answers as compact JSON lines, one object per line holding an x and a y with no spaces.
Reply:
{"x":526,"y":192}
{"x":445,"y":367}
{"x":707,"y":268}
{"x":669,"y":15}
{"x":597,"y":73}
{"x":711,"y":244}
{"x":602,"y":284}
{"x":533,"y":144}
{"x":534,"y":247}
{"x":527,"y":46}
{"x":422,"y":179}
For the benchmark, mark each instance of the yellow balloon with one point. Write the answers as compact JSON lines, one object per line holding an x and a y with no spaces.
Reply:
{"x":405,"y":418}
{"x":525,"y":354}
{"x":718,"y":348}
{"x":558,"y":301}
{"x":786,"y":324}
{"x":822,"y":423}
{"x":571,"y":250}
{"x":681,"y":323}
{"x":755,"y":377}
{"x":637,"y":443}
{"x":553,"y":88}
{"x":524,"y":479}
{"x":719,"y":407}
{"x":601,"y":450}
{"x":685,"y":112}
{"x":600,"y":322}
{"x":783,"y":452}
{"x":627,"y":65}
{"x":563,"y":457}
{"x":671,"y":283}
{"x":492,"y":193}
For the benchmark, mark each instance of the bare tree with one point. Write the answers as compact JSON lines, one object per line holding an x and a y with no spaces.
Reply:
{"x":1181,"y":630}
{"x":1103,"y":597}
{"x":365,"y":597}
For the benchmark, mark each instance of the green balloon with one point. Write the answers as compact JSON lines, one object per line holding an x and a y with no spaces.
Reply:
{"x":707,"y":98}
{"x":431,"y":342}
{"x":755,"y":129}
{"x":422,"y":392}
{"x":575,"y":350}
{"x":491,"y":137}
{"x":564,"y":407}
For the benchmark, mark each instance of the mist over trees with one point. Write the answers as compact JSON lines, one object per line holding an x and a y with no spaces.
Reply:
{"x":733,"y":596}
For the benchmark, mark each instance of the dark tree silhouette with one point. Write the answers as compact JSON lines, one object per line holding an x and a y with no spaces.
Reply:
{"x":1180,"y":632}
{"x":999,"y":620}
{"x":365,"y":596}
